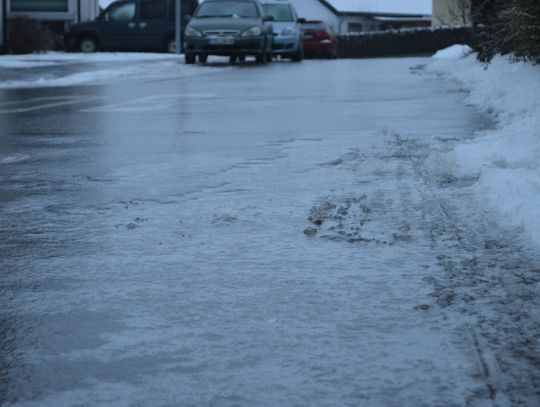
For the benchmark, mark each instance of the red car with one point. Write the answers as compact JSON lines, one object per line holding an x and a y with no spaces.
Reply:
{"x":319,"y":39}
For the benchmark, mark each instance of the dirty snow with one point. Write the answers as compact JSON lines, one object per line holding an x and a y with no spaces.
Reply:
{"x":505,"y":160}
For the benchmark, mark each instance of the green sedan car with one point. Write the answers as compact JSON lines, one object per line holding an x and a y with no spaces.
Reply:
{"x":233,"y":28}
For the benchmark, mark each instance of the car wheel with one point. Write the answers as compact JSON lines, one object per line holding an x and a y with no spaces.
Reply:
{"x":88,"y":45}
{"x":233,"y":59}
{"x":260,"y":58}
{"x":189,"y":58}
{"x":203,"y":58}
{"x":298,"y":56}
{"x":170,"y":46}
{"x":268,"y":56}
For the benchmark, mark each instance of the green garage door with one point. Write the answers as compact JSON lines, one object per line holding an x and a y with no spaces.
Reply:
{"x":39,"y":5}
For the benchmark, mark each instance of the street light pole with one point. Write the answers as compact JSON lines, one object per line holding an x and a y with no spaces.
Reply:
{"x":178,"y":27}
{"x":3,"y":26}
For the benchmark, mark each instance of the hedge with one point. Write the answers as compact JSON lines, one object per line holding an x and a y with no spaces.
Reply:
{"x":419,"y":41}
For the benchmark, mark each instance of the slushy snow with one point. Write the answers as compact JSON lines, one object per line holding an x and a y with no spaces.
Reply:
{"x":506,"y":159}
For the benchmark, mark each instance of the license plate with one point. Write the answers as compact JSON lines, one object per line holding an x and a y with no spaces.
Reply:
{"x":226,"y":40}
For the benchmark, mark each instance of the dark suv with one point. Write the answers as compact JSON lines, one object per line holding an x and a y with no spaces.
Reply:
{"x":130,"y":25}
{"x":233,"y":28}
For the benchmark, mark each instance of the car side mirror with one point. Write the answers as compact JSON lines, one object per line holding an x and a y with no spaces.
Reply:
{"x":268,"y":18}
{"x":187,"y":18}
{"x":301,"y":21}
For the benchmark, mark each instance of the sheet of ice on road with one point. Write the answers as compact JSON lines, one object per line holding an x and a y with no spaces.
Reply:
{"x":301,"y":265}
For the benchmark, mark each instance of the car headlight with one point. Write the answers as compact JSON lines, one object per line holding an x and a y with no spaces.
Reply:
{"x":252,"y":32}
{"x":287,"y":31}
{"x":326,"y":42}
{"x":192,"y":32}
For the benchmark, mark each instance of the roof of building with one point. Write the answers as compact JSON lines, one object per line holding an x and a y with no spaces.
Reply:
{"x":383,"y":8}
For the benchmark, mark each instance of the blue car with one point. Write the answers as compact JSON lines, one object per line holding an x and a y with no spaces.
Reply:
{"x":288,"y":35}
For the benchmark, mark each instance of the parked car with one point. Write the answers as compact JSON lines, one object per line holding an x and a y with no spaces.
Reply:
{"x":288,"y":34}
{"x":130,"y":25}
{"x":233,"y":28}
{"x":319,"y":39}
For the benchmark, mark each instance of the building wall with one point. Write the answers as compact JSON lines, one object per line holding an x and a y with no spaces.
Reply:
{"x":54,"y":10}
{"x":451,"y":12}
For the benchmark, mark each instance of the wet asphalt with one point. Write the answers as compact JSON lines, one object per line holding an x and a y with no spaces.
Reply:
{"x":102,"y":249}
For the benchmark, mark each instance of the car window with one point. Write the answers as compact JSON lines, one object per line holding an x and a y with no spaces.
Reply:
{"x":153,"y":10}
{"x":227,"y":9}
{"x":280,"y":12}
{"x":121,"y":12}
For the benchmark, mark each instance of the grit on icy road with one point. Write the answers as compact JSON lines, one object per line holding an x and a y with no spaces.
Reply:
{"x":255,"y":236}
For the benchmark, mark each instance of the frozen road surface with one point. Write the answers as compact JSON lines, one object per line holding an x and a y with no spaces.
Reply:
{"x":256,"y":236}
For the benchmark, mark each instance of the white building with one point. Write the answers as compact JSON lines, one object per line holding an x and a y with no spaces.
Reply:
{"x":452,"y":12}
{"x":56,"y":13}
{"x":369,"y":15}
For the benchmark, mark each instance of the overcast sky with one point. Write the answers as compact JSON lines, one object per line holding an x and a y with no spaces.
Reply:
{"x":383,"y":6}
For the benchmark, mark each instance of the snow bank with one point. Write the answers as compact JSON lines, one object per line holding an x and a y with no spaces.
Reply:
{"x":55,"y":69}
{"x":454,"y":52}
{"x":59,"y":58}
{"x":506,"y":159}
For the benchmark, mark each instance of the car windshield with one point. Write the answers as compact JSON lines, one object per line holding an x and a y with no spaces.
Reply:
{"x":280,"y":12}
{"x":242,"y":9}
{"x":314,"y":26}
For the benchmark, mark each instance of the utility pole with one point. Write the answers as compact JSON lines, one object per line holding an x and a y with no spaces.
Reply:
{"x":3,"y":26}
{"x":178,"y":27}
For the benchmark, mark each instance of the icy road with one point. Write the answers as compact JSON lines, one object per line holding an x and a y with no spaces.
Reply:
{"x":256,"y":236}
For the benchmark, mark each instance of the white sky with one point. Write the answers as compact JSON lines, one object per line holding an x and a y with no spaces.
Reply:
{"x":383,"y":6}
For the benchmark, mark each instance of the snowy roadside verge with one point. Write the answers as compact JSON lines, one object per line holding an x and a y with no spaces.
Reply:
{"x":56,"y":69}
{"x":505,"y":160}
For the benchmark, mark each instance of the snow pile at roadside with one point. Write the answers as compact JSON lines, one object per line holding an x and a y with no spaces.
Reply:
{"x":506,"y":159}
{"x":453,"y":52}
{"x":54,"y":69}
{"x":59,"y":58}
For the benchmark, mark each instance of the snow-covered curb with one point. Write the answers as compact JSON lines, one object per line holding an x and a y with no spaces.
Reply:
{"x":506,"y":160}
{"x":58,"y":58}
{"x":52,"y":69}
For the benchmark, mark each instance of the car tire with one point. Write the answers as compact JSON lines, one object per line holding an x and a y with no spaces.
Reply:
{"x":268,"y":56}
{"x":88,"y":45}
{"x":170,"y":46}
{"x":260,"y":58}
{"x":298,"y":56}
{"x":233,"y":59}
{"x":203,"y":58}
{"x":189,"y":58}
